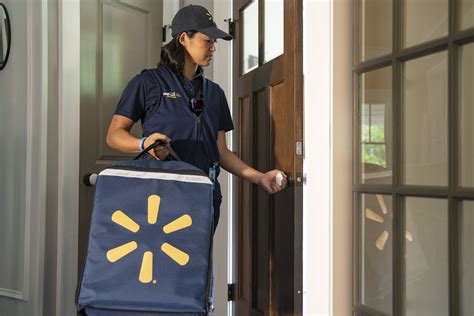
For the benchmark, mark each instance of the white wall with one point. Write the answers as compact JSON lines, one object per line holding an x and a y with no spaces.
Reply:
{"x":342,"y":156}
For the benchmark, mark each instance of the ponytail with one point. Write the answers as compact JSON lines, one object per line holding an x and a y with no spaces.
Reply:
{"x":173,"y":54}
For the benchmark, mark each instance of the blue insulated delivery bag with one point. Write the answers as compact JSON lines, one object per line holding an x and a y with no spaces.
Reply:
{"x":150,"y":241}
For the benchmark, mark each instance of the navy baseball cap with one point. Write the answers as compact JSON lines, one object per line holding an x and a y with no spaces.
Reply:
{"x":196,"y":18}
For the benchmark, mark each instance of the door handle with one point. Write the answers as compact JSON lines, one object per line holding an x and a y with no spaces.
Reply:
{"x":289,"y":179}
{"x":90,"y":179}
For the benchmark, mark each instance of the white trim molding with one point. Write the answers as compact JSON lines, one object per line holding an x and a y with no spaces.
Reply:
{"x":18,"y":295}
{"x":224,"y":240}
{"x":317,"y":163}
{"x":68,"y":149}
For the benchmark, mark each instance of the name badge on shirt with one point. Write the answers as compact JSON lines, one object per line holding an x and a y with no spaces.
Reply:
{"x":172,"y":95}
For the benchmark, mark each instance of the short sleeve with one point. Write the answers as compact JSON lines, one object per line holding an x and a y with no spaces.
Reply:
{"x":225,"y":120}
{"x":132,"y":102}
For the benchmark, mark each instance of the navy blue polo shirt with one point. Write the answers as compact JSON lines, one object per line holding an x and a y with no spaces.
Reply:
{"x":191,"y":87}
{"x":159,"y":98}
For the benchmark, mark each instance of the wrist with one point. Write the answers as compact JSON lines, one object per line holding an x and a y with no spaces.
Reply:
{"x":257,"y":177}
{"x":141,"y":145}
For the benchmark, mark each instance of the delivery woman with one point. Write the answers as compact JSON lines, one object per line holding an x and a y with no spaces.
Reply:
{"x":177,"y":104}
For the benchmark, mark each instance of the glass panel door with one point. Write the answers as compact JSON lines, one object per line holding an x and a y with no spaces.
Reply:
{"x":414,"y":76}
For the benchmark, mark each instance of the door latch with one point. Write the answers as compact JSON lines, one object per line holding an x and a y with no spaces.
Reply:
{"x":231,"y":292}
{"x":300,"y":178}
{"x":299,"y":148}
{"x":164,"y":31}
{"x":231,"y":26}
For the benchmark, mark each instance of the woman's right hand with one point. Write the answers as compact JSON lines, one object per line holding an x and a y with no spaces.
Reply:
{"x":158,"y":152}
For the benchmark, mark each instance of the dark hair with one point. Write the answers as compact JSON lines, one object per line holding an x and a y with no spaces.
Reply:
{"x":172,"y":53}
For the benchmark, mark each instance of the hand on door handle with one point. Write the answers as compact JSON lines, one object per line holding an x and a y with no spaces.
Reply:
{"x":289,"y":179}
{"x":274,"y":181}
{"x":281,"y":175}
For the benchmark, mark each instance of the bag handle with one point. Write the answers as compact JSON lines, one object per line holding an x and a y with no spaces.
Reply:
{"x":172,"y":153}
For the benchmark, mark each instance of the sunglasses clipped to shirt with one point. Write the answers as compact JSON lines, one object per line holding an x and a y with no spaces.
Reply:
{"x":197,"y":104}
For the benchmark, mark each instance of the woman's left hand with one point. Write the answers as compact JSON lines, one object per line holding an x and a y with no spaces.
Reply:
{"x":269,"y":181}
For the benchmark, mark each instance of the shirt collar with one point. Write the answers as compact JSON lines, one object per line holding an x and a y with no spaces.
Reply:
{"x":199,"y":73}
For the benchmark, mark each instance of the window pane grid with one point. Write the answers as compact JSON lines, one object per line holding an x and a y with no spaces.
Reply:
{"x":453,"y":41}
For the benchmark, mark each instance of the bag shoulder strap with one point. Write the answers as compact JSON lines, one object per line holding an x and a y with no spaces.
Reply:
{"x":150,"y":109}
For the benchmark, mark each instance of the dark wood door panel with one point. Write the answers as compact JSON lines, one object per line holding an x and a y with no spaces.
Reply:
{"x":244,"y":281}
{"x":262,"y":205}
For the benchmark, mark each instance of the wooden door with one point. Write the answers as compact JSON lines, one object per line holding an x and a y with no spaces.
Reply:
{"x":269,"y":115}
{"x":119,"y":38}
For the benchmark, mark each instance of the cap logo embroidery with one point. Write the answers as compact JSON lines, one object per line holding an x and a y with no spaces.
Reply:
{"x":210,"y":16}
{"x":172,"y":95}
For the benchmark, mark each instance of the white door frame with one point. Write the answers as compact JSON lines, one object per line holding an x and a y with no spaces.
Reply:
{"x":317,"y":161}
{"x":327,"y":210}
{"x":68,"y":151}
{"x":224,"y":244}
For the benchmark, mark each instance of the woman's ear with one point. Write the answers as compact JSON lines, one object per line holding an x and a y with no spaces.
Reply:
{"x":183,"y":39}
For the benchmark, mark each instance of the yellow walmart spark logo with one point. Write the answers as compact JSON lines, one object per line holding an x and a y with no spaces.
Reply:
{"x":210,"y":16}
{"x":146,"y":269}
